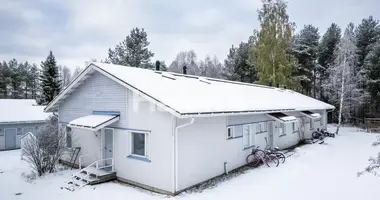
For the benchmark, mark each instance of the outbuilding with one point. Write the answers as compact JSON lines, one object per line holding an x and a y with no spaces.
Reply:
{"x":18,"y":117}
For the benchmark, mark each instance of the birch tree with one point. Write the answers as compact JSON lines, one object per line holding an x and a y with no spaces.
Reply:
{"x":342,"y":82}
{"x":274,"y":63}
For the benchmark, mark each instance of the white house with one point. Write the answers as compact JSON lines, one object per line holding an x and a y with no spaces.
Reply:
{"x":18,"y":117}
{"x":168,"y":132}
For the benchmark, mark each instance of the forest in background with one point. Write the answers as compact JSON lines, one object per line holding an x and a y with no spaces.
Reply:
{"x":342,"y":64}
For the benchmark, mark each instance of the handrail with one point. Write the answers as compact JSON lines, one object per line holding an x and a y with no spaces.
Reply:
{"x":80,"y":159}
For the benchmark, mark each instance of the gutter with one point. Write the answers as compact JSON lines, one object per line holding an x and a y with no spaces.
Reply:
{"x":176,"y":152}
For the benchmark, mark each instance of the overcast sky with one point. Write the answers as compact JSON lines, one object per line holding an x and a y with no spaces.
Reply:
{"x":78,"y":30}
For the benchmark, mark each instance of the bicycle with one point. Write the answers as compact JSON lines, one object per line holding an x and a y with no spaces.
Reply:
{"x":280,"y":156}
{"x":259,"y":156}
{"x":322,"y":134}
{"x":328,"y":134}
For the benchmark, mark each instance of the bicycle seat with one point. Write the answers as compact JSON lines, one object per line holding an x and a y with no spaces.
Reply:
{"x":277,"y":149}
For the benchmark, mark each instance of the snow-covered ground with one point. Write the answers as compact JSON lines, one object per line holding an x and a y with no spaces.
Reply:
{"x":315,"y":172}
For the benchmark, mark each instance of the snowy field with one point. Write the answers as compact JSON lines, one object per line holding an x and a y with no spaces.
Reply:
{"x":315,"y":172}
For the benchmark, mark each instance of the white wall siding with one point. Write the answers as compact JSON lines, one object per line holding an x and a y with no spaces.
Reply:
{"x":159,"y":173}
{"x":98,"y":93}
{"x":203,"y":148}
{"x":36,"y":126}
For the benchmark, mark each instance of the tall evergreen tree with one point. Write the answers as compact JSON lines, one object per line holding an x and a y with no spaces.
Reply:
{"x":50,"y":81}
{"x":326,"y":55}
{"x":15,"y":79}
{"x":305,"y":48}
{"x":4,"y":79}
{"x":372,"y":66}
{"x":274,"y":63}
{"x":367,"y":34}
{"x":133,"y":51}
{"x":33,"y":81}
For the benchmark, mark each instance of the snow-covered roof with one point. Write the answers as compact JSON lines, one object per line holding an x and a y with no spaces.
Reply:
{"x":94,"y":122}
{"x":311,"y":115}
{"x":187,"y":95}
{"x":282,"y":118}
{"x":21,"y":111}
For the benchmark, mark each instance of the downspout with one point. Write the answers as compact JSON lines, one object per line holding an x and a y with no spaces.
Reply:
{"x":176,"y":152}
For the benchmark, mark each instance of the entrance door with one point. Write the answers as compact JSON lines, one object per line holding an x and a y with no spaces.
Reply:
{"x":10,"y":138}
{"x":108,"y":145}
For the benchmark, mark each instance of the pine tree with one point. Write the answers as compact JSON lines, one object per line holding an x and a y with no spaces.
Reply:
{"x":305,"y":48}
{"x":274,"y":64}
{"x":367,"y":34}
{"x":326,"y":56}
{"x":23,"y":72}
{"x":240,"y":64}
{"x":372,"y":66}
{"x":15,"y":79}
{"x":33,"y":81}
{"x":50,"y":82}
{"x":4,"y":79}
{"x":133,"y":51}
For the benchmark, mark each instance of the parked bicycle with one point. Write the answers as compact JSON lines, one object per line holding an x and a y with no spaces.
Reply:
{"x":258,"y":157}
{"x":322,"y":134}
{"x":280,"y":156}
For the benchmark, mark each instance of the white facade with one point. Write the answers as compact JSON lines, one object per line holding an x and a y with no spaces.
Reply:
{"x":179,"y":152}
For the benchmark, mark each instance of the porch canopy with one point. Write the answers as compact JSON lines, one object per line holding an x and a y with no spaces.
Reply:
{"x":311,"y":115}
{"x":94,"y":122}
{"x":282,"y":118}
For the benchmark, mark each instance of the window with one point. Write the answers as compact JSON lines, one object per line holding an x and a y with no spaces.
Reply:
{"x":281,"y":129}
{"x":1,"y":132}
{"x":261,"y":127}
{"x":238,"y":131}
{"x":311,"y":124}
{"x":230,"y":132}
{"x":69,"y":139}
{"x":322,"y":119}
{"x":139,"y":143}
{"x":27,"y":130}
{"x":294,"y":127}
{"x":248,"y":136}
{"x":19,"y":131}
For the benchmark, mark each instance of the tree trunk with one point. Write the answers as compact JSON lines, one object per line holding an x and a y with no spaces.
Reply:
{"x":341,"y":97}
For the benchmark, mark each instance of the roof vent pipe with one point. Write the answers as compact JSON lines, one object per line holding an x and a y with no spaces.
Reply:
{"x":158,"y":65}
{"x":278,"y":85}
{"x":270,"y":83}
{"x":184,"y":69}
{"x":284,"y":86}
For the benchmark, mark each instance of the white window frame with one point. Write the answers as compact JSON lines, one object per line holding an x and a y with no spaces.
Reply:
{"x":66,"y":136}
{"x":19,"y":133}
{"x":232,"y":131}
{"x":311,"y":124}
{"x":250,"y":135}
{"x":146,"y":144}
{"x":282,"y":126}
{"x":322,"y":117}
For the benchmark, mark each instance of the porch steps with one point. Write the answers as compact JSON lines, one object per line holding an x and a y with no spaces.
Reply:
{"x":89,"y":176}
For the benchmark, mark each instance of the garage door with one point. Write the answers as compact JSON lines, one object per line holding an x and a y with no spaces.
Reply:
{"x":10,"y":138}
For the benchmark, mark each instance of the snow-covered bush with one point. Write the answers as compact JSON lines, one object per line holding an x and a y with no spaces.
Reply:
{"x":43,"y":151}
{"x":374,"y":162}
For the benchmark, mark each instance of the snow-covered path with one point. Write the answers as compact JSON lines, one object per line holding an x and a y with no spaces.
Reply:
{"x":316,"y":172}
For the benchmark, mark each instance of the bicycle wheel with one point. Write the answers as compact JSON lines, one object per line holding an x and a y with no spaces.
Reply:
{"x":316,"y":135}
{"x":280,"y":156}
{"x":271,"y":160}
{"x":253,"y":160}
